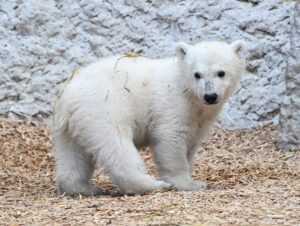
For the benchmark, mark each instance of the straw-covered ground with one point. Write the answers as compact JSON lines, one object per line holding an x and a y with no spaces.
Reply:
{"x":250,"y":183}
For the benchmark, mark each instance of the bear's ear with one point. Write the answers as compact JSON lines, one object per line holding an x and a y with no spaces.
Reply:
{"x":181,"y":50}
{"x":240,"y":48}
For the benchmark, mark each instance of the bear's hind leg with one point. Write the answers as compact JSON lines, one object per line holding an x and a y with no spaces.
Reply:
{"x":122,"y":162}
{"x":74,"y":168}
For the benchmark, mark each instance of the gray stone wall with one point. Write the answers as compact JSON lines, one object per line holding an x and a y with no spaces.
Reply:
{"x":289,"y":136}
{"x":41,"y":41}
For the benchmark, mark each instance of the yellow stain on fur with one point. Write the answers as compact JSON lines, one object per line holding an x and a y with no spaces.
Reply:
{"x":74,"y":72}
{"x":131,"y":54}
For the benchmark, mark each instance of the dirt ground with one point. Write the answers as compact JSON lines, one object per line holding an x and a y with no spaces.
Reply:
{"x":250,"y":183}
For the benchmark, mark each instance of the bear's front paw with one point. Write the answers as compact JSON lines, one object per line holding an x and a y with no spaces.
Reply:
{"x":139,"y":185}
{"x":198,"y":184}
{"x":188,"y":185}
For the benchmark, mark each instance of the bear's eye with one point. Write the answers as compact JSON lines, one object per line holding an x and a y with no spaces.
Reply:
{"x":221,"y":74}
{"x":197,"y":75}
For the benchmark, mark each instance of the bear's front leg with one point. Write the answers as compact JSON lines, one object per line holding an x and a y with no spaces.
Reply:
{"x":190,"y":157}
{"x":170,"y":155}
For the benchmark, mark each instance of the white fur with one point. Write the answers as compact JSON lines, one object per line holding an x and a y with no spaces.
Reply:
{"x":119,"y":104}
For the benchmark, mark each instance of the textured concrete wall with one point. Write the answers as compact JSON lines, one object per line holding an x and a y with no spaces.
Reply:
{"x":42,"y":41}
{"x":289,"y":136}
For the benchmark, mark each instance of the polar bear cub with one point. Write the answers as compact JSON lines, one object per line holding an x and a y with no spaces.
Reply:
{"x":113,"y":107}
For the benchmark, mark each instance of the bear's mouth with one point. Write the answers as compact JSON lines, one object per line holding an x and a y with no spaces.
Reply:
{"x":214,"y":103}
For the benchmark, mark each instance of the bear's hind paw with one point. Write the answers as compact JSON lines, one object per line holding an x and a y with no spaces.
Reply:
{"x":90,"y":191}
{"x":162,"y":184}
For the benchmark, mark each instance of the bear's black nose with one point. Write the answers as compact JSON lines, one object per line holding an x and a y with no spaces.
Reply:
{"x":210,"y":98}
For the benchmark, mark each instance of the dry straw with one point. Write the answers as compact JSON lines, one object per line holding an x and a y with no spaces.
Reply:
{"x":250,"y":183}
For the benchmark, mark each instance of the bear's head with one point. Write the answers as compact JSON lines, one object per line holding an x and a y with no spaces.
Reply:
{"x":211,"y":70}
